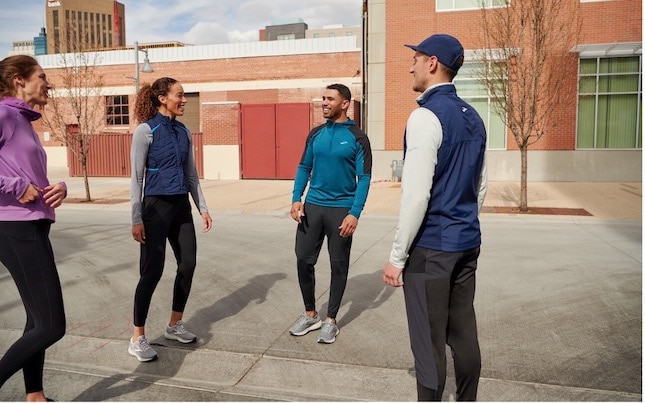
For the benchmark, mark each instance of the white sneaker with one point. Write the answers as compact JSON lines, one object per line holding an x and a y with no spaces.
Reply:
{"x":305,"y":324}
{"x":328,"y":332}
{"x":141,"y":350}
{"x":179,"y":333}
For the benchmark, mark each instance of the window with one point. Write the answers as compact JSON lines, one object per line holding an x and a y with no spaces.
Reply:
{"x":332,"y":34}
{"x":109,"y":27}
{"x":473,"y":91}
{"x":609,"y":103}
{"x":286,"y":37}
{"x":56,"y":32}
{"x":316,"y":35}
{"x":117,"y":110}
{"x":451,"y":5}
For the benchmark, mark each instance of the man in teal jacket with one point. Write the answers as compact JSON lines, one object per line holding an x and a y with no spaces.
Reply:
{"x":337,"y":164}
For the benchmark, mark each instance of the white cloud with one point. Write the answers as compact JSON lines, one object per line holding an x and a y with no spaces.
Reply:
{"x":248,"y":36}
{"x":205,"y":33}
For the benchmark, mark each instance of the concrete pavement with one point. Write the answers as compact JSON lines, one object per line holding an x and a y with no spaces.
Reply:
{"x":558,"y":303}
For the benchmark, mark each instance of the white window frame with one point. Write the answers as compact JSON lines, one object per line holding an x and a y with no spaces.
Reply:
{"x":285,"y":37}
{"x":476,"y":6}
{"x":489,"y":99}
{"x":596,"y":94}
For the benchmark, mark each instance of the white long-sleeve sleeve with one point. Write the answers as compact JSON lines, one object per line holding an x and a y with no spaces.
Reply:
{"x":483,"y":186}
{"x":423,"y":139}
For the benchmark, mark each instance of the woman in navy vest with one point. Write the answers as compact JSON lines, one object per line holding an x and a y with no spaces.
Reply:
{"x":163,"y":174}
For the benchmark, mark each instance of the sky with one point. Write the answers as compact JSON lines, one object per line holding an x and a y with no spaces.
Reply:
{"x":194,"y":22}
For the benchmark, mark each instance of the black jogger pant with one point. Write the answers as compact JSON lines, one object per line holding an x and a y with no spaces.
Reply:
{"x":317,"y":223}
{"x":165,"y":217}
{"x":439,"y":290}
{"x":27,"y":253}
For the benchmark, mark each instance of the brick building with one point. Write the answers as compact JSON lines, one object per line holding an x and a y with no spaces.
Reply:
{"x":254,"y":103}
{"x":598,"y":133}
{"x":597,"y":136}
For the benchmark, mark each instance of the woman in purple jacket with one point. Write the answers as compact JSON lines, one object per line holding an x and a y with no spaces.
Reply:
{"x":27,"y":203}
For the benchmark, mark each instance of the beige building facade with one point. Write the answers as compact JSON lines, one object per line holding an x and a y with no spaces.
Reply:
{"x":97,"y":24}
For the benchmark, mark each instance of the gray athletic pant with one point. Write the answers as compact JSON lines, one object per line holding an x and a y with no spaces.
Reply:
{"x":317,"y":223}
{"x":439,"y":292}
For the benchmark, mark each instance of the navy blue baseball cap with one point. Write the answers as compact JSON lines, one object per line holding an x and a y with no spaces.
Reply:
{"x":445,"y":47}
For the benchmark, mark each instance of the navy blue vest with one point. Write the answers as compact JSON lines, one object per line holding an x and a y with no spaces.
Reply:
{"x":167,"y":157}
{"x":451,"y":222}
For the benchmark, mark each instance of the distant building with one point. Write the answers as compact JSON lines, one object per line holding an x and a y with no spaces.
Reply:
{"x":328,"y":31}
{"x":97,"y":24}
{"x":296,"y":28}
{"x":40,"y":42}
{"x":22,"y":48}
{"x":284,"y":29}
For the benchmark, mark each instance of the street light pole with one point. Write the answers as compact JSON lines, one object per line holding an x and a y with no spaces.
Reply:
{"x":136,"y":67}
{"x":147,"y":67}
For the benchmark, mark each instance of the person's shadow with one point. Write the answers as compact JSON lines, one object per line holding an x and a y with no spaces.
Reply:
{"x":363,"y":292}
{"x":256,"y":289}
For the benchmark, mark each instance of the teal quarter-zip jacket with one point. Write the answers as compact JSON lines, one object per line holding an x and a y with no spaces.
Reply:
{"x":337,"y":163}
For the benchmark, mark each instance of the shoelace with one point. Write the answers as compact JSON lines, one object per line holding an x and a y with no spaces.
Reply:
{"x":327,"y":326}
{"x":179,"y":327}
{"x":143,"y":344}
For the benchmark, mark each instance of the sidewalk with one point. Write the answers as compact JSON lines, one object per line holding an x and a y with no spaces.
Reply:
{"x":603,"y":200}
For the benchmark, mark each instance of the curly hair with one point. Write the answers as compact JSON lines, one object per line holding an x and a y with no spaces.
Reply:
{"x":18,"y":65}
{"x":147,"y":103}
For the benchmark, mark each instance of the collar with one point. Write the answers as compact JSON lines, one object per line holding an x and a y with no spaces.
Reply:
{"x":22,"y":108}
{"x":348,"y":122}
{"x":421,"y":99}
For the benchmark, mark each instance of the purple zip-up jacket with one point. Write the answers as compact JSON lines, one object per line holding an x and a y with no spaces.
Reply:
{"x":22,"y":161}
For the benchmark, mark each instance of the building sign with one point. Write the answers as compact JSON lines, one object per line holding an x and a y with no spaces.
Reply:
{"x":53,"y":3}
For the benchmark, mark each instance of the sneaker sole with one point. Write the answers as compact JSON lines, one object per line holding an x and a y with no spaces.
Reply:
{"x":179,"y":339}
{"x":315,"y":326}
{"x":323,"y":341}
{"x":141,"y":359}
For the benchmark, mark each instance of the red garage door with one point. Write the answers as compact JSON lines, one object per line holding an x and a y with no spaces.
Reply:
{"x":273,"y":137}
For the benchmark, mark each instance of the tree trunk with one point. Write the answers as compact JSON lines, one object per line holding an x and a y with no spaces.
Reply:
{"x":88,"y":198}
{"x":524,"y":207}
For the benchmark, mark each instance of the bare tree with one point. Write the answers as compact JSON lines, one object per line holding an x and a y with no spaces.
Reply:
{"x":76,"y":112}
{"x":526,"y":44}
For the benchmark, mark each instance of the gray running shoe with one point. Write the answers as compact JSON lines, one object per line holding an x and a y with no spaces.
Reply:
{"x":179,"y":333}
{"x":328,"y":332}
{"x":141,"y":350}
{"x":305,"y":324}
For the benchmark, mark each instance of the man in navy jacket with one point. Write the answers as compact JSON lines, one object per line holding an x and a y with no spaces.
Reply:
{"x":436,"y":245}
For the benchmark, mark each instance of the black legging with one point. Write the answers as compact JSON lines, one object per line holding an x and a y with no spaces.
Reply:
{"x":317,"y":223}
{"x":165,"y":217}
{"x":27,"y":254}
